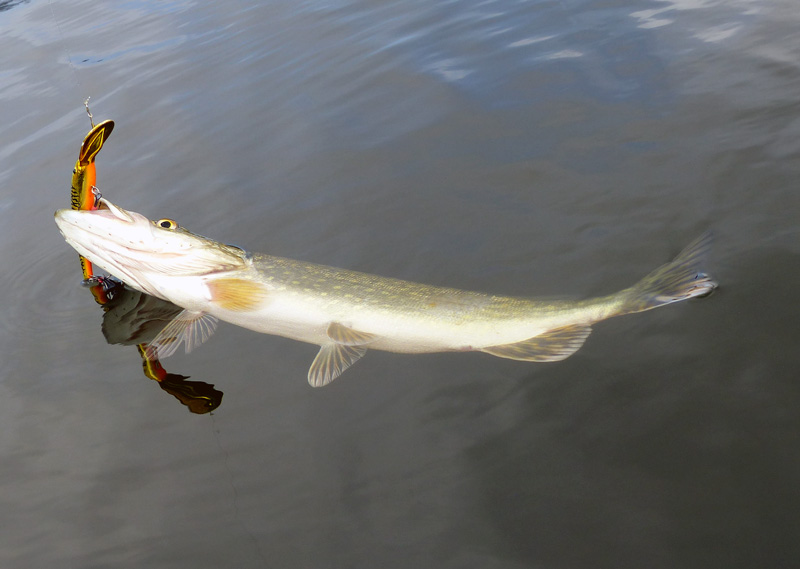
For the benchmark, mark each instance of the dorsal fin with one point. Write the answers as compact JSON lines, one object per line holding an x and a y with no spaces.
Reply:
{"x":551,"y":346}
{"x":236,"y":294}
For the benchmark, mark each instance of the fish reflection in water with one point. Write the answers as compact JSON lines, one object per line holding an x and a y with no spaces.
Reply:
{"x":133,"y":318}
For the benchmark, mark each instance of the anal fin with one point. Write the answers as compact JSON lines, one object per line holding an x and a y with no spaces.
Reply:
{"x":331,"y":361}
{"x":188,"y":328}
{"x":551,"y":346}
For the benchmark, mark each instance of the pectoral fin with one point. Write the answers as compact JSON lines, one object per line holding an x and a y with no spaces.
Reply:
{"x":188,"y":328}
{"x":551,"y":346}
{"x":331,"y":361}
{"x":237,"y":294}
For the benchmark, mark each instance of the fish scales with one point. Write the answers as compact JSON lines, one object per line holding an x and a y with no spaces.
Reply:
{"x":356,"y":290}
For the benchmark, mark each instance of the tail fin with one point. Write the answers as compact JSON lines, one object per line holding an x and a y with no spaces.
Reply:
{"x":680,"y":279}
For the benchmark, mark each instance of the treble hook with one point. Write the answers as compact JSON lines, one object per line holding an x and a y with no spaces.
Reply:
{"x":97,"y":196}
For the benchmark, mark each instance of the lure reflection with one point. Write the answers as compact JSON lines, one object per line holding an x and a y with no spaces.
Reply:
{"x":133,"y":318}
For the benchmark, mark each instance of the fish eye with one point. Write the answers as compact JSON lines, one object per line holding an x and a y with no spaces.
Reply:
{"x":167,"y":223}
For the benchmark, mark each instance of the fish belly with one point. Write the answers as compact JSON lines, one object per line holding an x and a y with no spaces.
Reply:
{"x":307,"y":319}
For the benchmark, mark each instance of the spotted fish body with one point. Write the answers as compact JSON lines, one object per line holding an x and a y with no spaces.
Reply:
{"x":347,"y":312}
{"x":400,"y":316}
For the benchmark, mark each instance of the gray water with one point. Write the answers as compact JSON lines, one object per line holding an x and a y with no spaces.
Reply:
{"x":534,"y":148}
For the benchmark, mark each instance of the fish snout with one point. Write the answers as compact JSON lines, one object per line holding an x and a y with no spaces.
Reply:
{"x":64,"y":216}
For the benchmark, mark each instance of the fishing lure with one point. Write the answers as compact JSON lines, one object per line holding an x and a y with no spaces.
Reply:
{"x":84,"y":195}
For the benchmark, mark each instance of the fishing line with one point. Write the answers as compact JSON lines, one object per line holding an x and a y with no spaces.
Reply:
{"x":216,"y":430}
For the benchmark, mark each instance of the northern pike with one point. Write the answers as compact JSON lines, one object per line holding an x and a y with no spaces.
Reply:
{"x":347,"y":312}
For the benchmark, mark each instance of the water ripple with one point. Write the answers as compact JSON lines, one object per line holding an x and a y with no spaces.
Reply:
{"x":48,"y":302}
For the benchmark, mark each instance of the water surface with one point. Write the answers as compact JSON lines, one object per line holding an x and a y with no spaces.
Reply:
{"x":533,"y":148}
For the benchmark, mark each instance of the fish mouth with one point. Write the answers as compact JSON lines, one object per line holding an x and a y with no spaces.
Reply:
{"x":119,"y":213}
{"x":129,"y":246}
{"x":116,"y":241}
{"x":108,"y":232}
{"x":104,"y":209}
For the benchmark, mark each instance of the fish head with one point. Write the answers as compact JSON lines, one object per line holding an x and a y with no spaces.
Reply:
{"x":143,"y":253}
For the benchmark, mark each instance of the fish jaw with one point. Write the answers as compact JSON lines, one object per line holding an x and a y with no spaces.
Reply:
{"x":143,"y":255}
{"x":94,"y":238}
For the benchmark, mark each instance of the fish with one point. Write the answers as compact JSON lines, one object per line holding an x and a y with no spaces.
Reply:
{"x":344,"y":312}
